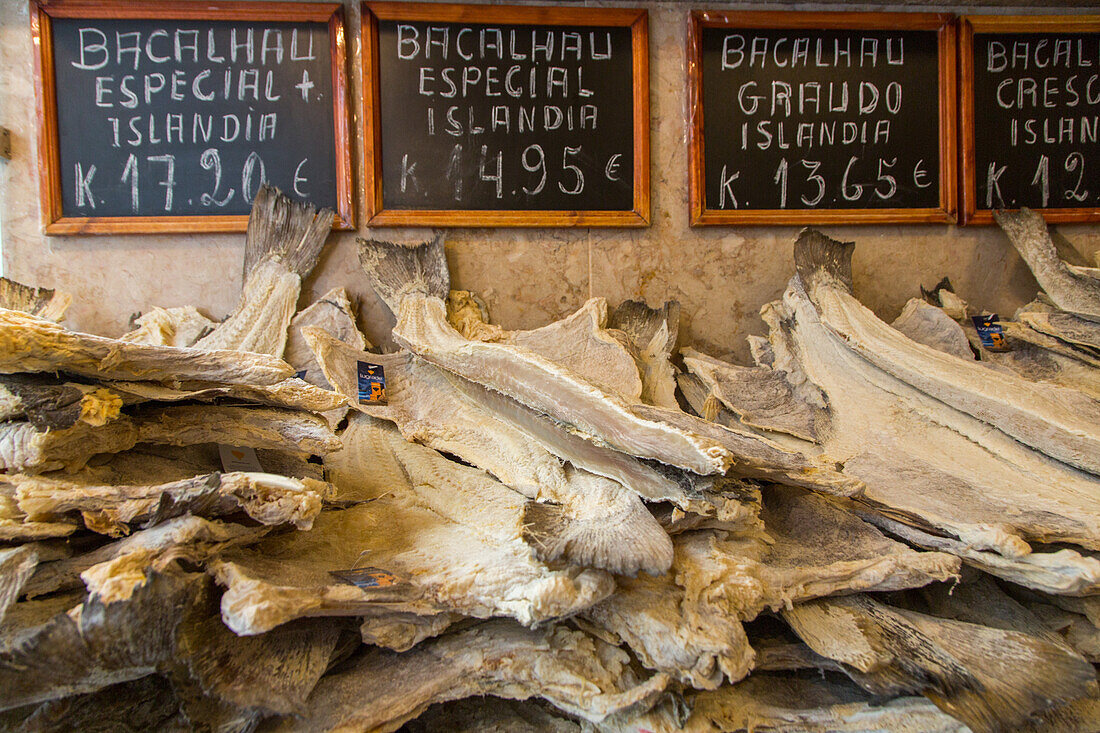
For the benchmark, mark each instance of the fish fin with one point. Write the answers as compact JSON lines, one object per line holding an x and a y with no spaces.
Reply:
{"x":642,"y":323}
{"x":817,"y":256}
{"x":395,"y":269}
{"x":41,"y":302}
{"x":287,"y":230}
{"x":623,"y":545}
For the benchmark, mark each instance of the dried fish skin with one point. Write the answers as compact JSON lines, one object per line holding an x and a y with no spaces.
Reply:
{"x":332,"y":313}
{"x":17,"y":564}
{"x":490,"y":715}
{"x":148,"y":703}
{"x":651,"y":333}
{"x":189,"y":537}
{"x":1059,"y":422}
{"x":259,"y":324}
{"x":930,"y":325}
{"x":272,"y":674}
{"x":42,"y":302}
{"x":30,"y":344}
{"x":1077,"y":331}
{"x":290,"y":393}
{"x":410,"y":281}
{"x":97,"y":644}
{"x":113,"y":508}
{"x":1071,"y":288}
{"x":46,"y":404}
{"x":576,"y":673}
{"x":22,"y":448}
{"x":1064,"y":572}
{"x":761,"y":398}
{"x":988,"y":678}
{"x":774,"y":702}
{"x":181,"y":326}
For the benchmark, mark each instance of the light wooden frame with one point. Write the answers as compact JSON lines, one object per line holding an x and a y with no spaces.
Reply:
{"x":635,"y":19}
{"x":968,"y":26}
{"x":54,"y":220}
{"x":942,"y":24}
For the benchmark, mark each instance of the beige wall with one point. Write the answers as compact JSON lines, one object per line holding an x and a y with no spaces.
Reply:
{"x":721,"y":276}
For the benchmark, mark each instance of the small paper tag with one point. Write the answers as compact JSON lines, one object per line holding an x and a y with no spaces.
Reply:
{"x":239,"y":459}
{"x":991,"y":334}
{"x":372,"y":384}
{"x":366,"y":577}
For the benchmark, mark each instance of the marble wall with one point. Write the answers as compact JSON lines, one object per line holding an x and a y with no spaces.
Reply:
{"x":528,"y":277}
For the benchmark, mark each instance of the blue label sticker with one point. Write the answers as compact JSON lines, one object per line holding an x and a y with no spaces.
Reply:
{"x":372,"y":384}
{"x":990,"y":332}
{"x":366,"y":577}
{"x":301,"y":374}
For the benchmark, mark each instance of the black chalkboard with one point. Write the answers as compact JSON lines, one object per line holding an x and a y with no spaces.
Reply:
{"x":503,"y":115}
{"x":1031,"y":116}
{"x":163,"y":119}
{"x":831,"y":117}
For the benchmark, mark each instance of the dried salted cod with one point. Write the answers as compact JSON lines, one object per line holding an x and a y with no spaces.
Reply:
{"x":1063,"y":571}
{"x":1078,"y":331}
{"x":42,"y":302}
{"x":428,"y":403}
{"x":414,"y":283}
{"x":46,"y":404}
{"x":148,"y":703}
{"x":22,"y":447}
{"x":580,"y":342}
{"x":652,"y":334}
{"x":50,"y":653}
{"x":1044,"y":362}
{"x":30,"y":344}
{"x":929,"y":325}
{"x":687,"y":623}
{"x":125,"y":493}
{"x":16,"y":567}
{"x":333,"y":314}
{"x":283,"y":243}
{"x":270,"y":674}
{"x":1062,"y":423}
{"x":923,"y":461}
{"x":988,"y":678}
{"x":187,"y":537}
{"x":380,"y":690}
{"x":760,"y":397}
{"x":181,"y":326}
{"x":293,"y":393}
{"x":595,"y":521}
{"x":15,"y":527}
{"x":491,"y":715}
{"x":1072,"y":288}
{"x":793,"y":702}
{"x":448,"y":536}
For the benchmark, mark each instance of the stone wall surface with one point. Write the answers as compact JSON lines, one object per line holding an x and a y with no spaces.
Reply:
{"x":528,"y":277}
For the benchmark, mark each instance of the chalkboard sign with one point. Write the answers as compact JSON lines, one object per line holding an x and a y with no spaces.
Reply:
{"x":821,"y":118}
{"x":491,"y":115}
{"x":167,"y":117}
{"x":1031,"y":90}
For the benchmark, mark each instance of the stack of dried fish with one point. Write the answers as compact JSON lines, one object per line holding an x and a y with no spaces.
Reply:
{"x":860,"y":532}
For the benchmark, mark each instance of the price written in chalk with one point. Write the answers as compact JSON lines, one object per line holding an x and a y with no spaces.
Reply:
{"x":565,"y":173}
{"x":803,"y":180}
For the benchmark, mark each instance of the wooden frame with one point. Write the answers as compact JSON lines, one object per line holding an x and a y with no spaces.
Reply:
{"x":42,"y":11}
{"x":944,"y":26}
{"x":968,"y":26}
{"x":635,"y":19}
